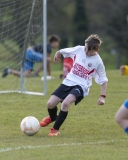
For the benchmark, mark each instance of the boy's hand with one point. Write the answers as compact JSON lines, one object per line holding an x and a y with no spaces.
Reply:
{"x":57,"y":57}
{"x":101,"y":101}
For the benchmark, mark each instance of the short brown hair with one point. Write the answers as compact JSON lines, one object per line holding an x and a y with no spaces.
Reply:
{"x":93,"y":42}
{"x":53,"y":38}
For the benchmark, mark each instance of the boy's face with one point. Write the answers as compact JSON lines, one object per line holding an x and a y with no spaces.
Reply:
{"x":89,"y":52}
{"x":54,"y":44}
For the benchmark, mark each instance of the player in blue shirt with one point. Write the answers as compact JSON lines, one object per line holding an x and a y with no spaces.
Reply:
{"x":35,"y":54}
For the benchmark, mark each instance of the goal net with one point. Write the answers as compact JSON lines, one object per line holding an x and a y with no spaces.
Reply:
{"x":21,"y":26}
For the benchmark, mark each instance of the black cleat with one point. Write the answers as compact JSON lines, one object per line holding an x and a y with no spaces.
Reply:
{"x":5,"y":72}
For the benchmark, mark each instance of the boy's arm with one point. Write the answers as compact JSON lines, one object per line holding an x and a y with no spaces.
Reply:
{"x":100,"y":74}
{"x":57,"y":57}
{"x":100,"y":78}
{"x":103,"y":89}
{"x":101,"y":100}
{"x":40,"y":68}
{"x":66,"y":52}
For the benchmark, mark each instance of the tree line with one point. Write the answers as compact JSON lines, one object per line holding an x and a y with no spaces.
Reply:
{"x":79,"y":18}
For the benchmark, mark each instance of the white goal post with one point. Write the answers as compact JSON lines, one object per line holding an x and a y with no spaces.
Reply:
{"x":22,"y":24}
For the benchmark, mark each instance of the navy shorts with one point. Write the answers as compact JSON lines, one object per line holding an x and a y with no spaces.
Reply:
{"x":63,"y":91}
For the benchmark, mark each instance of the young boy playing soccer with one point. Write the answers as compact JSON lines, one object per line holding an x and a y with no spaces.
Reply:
{"x":86,"y":65}
{"x":122,"y":116}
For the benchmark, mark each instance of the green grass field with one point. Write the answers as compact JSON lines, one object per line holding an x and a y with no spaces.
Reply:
{"x":89,"y":132}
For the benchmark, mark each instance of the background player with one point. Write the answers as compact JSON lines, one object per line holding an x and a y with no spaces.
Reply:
{"x":86,"y":64}
{"x":35,"y":54}
{"x":67,"y":65}
{"x":122,"y":116}
{"x":124,"y":70}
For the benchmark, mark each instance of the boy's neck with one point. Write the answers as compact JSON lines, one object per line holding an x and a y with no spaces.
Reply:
{"x":91,"y":53}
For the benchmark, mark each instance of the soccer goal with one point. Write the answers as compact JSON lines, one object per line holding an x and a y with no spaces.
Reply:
{"x":22,"y":24}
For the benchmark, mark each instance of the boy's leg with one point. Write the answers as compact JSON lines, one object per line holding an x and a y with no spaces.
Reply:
{"x":122,"y":116}
{"x":49,"y":65}
{"x":27,"y":73}
{"x":73,"y":94}
{"x":63,"y":114}
{"x":52,"y":110}
{"x":52,"y":106}
{"x":17,"y":73}
{"x":28,"y":66}
{"x":7,"y":71}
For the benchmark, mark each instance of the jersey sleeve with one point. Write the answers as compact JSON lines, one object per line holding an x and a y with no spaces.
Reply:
{"x":100,"y":74}
{"x":69,"y":52}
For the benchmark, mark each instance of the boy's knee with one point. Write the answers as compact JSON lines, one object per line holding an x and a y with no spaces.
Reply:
{"x":64,"y":106}
{"x":50,"y":105}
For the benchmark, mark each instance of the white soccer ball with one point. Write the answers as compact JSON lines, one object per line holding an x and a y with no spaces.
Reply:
{"x":30,"y":125}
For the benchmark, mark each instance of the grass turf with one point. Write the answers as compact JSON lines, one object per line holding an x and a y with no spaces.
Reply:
{"x":89,"y":132}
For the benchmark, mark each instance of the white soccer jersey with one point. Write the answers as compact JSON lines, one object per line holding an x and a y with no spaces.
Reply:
{"x":84,"y":68}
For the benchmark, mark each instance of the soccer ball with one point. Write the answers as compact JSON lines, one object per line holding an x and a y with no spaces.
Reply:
{"x":30,"y":125}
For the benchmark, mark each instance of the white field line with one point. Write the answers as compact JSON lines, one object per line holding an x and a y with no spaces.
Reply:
{"x":56,"y":145}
